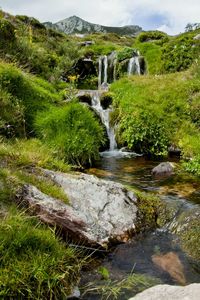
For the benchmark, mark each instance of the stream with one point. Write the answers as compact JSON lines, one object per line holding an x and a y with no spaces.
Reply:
{"x":136,"y":255}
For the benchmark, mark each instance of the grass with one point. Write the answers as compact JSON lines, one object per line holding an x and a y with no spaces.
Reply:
{"x":22,"y":153}
{"x":34,"y":263}
{"x":22,"y":161}
{"x":113,"y":289}
{"x":73,"y":132}
{"x":28,"y":93}
{"x":156,"y":111}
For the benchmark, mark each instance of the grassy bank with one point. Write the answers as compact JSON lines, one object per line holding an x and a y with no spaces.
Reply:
{"x":154,"y":112}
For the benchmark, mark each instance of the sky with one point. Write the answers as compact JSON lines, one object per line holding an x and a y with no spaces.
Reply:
{"x":170,"y":16}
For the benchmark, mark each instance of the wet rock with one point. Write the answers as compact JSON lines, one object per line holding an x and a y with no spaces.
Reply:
{"x":100,"y":211}
{"x":168,"y":292}
{"x":171,"y":264}
{"x":163,"y":169}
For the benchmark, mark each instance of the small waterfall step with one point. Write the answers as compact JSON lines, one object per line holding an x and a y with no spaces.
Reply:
{"x":105,"y":118}
{"x":104,"y":114}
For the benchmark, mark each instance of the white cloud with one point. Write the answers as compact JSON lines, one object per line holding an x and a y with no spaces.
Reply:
{"x":171,"y":15}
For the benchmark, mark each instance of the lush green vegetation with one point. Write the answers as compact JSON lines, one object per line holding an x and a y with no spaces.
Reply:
{"x":36,"y":49}
{"x":72,"y":131}
{"x":43,"y":126}
{"x":154,"y":112}
{"x":166,"y":54}
{"x":35,"y":264}
{"x":22,"y":96}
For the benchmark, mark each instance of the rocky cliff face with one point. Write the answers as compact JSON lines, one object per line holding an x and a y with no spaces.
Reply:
{"x":74,"y":24}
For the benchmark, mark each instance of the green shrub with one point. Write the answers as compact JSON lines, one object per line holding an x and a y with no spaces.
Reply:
{"x":152,"y":35}
{"x":72,"y":131}
{"x":192,"y":165}
{"x":145,"y":133}
{"x":179,"y":53}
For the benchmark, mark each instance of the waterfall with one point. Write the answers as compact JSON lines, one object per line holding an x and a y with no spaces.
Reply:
{"x":134,"y":66}
{"x":100,"y":72}
{"x":103,"y":71}
{"x":105,"y":118}
{"x":105,"y":63}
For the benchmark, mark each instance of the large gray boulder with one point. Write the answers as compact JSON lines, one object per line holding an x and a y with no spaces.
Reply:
{"x":168,"y":292}
{"x":99,"y":212}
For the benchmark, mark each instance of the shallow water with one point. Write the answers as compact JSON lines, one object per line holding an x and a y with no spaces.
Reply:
{"x":136,"y":255}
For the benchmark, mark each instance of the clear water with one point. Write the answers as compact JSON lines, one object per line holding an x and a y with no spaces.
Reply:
{"x":137,"y":254}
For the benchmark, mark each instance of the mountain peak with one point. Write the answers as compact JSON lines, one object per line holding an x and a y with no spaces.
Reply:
{"x":75,"y":24}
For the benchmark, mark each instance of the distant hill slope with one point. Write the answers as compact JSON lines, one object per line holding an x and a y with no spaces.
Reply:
{"x":75,"y":24}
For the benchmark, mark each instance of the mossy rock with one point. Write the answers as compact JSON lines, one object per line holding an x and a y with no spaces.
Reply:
{"x":149,"y":209}
{"x":186,"y":226}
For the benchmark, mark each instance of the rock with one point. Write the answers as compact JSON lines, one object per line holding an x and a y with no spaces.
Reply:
{"x":171,"y":264}
{"x":168,"y":292}
{"x":173,"y":150}
{"x":76,"y":294}
{"x":164,"y":168}
{"x":197,"y":37}
{"x":100,"y":211}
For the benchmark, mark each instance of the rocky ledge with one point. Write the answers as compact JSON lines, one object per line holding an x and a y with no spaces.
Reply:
{"x":99,"y":212}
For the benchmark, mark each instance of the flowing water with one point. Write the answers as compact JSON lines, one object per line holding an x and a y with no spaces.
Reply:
{"x":105,"y":118}
{"x":107,"y":68}
{"x":134,"y":66}
{"x":138,"y":254}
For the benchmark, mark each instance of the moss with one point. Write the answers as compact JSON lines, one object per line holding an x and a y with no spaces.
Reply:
{"x":149,"y":208}
{"x":187,"y":229}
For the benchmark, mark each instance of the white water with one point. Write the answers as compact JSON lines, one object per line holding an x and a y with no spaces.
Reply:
{"x":134,"y":66}
{"x":105,"y":63}
{"x":100,"y":72}
{"x":105,"y":118}
{"x":103,"y":71}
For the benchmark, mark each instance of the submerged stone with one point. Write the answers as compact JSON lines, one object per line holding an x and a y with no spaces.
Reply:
{"x":171,"y":264}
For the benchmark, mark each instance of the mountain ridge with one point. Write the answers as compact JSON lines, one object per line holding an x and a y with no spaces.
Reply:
{"x":76,"y":25}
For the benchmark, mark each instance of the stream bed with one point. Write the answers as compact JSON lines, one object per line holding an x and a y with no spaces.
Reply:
{"x":136,"y":255}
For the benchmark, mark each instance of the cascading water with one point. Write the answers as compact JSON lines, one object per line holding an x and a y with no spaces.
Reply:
{"x":105,"y":118}
{"x":105,"y":61}
{"x":103,"y":71}
{"x":134,"y":66}
{"x":100,"y":73}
